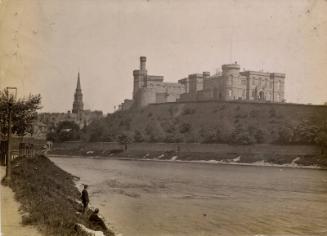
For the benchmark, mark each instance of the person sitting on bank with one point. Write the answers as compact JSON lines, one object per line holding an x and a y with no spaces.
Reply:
{"x":85,"y":198}
{"x":96,"y":221}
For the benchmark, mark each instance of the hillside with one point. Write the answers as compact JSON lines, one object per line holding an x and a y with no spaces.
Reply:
{"x":214,"y":122}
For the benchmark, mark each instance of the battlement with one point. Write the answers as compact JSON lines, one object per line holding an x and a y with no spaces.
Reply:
{"x":231,"y":67}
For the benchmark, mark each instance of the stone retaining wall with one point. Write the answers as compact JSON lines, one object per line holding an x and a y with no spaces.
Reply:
{"x":191,"y":147}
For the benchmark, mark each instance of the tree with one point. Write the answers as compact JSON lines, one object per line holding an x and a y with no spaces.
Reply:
{"x":124,"y":139}
{"x":154,"y":132}
{"x":185,"y":128}
{"x":67,"y":131}
{"x":286,"y":135}
{"x":321,"y":138}
{"x":210,"y":136}
{"x":241,"y":136}
{"x":138,"y":137}
{"x":305,"y":133}
{"x":24,"y":113}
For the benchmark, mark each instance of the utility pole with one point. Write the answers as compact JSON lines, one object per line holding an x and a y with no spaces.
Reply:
{"x":11,"y":93}
{"x":8,"y":169}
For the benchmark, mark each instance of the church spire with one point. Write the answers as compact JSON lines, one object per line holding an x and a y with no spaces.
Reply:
{"x":78,"y":97}
{"x":78,"y":87}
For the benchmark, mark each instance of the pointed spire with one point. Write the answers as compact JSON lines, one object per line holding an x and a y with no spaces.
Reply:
{"x":78,"y":98}
{"x":78,"y":87}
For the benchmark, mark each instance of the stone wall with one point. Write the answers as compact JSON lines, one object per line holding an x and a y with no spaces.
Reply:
{"x":192,"y":147}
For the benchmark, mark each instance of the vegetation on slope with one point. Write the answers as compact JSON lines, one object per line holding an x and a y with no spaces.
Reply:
{"x":213,"y":122}
{"x":49,"y":196}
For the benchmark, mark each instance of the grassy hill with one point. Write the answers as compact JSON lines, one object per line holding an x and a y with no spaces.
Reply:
{"x":214,"y":122}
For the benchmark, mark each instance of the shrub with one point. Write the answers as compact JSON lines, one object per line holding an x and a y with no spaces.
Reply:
{"x":241,"y":136}
{"x":185,"y":128}
{"x":285,"y":135}
{"x":138,"y":137}
{"x":188,"y":111}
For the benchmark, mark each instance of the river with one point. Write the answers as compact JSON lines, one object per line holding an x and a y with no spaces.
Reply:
{"x":149,"y":198}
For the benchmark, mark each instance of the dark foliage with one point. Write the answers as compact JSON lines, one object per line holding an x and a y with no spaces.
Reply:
{"x":23,"y":113}
{"x":65,"y":131}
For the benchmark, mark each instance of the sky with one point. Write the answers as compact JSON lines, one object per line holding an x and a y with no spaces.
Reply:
{"x":44,"y":43}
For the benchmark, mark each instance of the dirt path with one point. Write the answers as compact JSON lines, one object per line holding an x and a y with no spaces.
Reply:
{"x":10,"y":215}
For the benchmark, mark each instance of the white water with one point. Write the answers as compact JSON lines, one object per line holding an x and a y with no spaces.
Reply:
{"x":172,"y":198}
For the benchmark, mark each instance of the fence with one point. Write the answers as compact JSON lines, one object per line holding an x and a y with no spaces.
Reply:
{"x":19,"y":147}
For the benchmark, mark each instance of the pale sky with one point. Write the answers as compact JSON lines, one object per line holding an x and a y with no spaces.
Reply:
{"x":44,"y":43}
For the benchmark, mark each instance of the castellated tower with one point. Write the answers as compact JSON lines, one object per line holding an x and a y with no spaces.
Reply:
{"x":78,"y":98}
{"x":232,"y":87}
{"x":140,"y":76}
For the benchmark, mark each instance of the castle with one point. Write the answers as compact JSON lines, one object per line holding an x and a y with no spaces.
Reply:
{"x":230,"y":84}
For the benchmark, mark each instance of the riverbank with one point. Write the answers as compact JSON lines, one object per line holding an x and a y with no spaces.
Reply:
{"x":48,"y":196}
{"x":272,"y":160}
{"x":259,"y":154}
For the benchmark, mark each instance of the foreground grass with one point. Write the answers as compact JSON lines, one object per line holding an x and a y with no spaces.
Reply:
{"x":48,"y":195}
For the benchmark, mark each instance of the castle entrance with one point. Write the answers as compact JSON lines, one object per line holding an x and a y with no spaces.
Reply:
{"x":262,"y":96}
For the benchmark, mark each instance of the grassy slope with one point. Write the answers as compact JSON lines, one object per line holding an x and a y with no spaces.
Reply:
{"x":210,"y":116}
{"x":48,"y":194}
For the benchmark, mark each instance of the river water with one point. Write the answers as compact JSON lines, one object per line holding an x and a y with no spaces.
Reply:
{"x":149,"y":198}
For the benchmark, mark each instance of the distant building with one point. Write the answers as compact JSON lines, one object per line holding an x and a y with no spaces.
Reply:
{"x":230,"y":84}
{"x":78,"y":115}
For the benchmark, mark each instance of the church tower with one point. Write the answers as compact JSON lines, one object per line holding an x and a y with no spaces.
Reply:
{"x":78,"y":98}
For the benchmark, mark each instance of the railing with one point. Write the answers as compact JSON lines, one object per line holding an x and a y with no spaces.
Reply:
{"x":25,"y":149}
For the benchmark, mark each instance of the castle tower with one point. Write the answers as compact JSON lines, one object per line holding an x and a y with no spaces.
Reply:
{"x":140,"y":76}
{"x":231,"y":81}
{"x":143,"y":63}
{"x":78,"y":98}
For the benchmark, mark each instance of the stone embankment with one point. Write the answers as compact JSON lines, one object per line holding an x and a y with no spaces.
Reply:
{"x":302,"y":155}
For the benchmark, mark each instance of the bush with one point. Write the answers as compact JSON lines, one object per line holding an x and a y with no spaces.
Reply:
{"x":241,"y":136}
{"x":321,"y":138}
{"x":210,"y":136}
{"x":138,"y":137}
{"x":188,"y":111}
{"x":185,"y":128}
{"x":285,"y":135}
